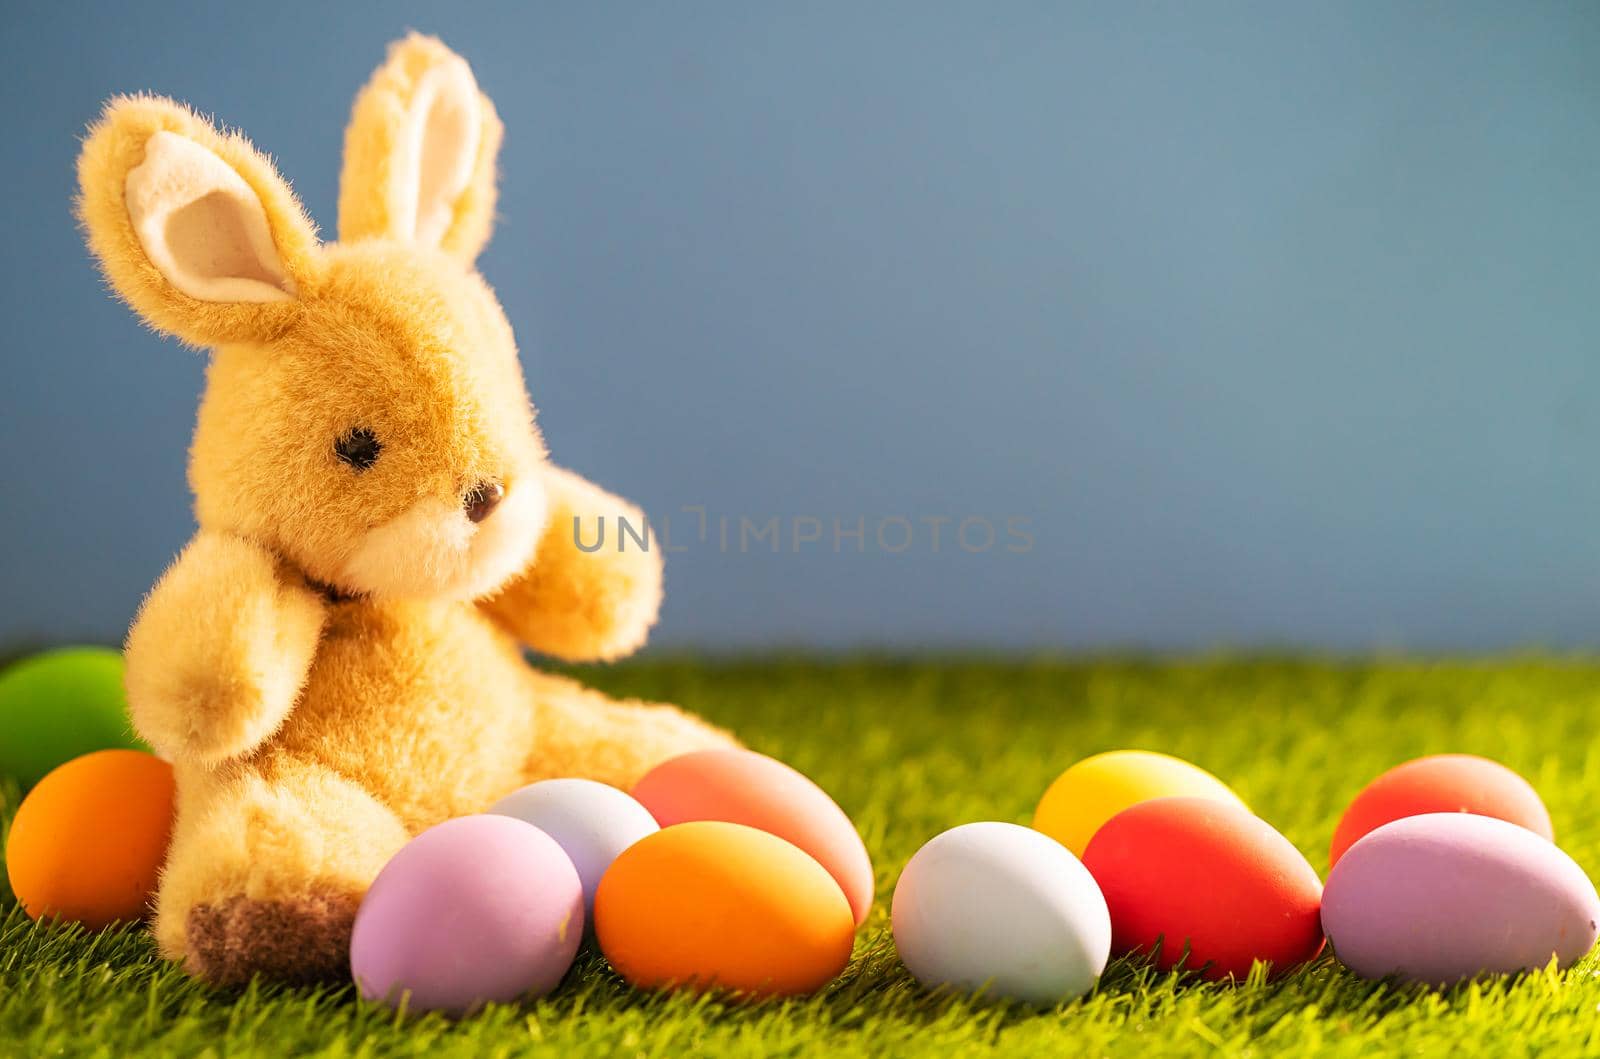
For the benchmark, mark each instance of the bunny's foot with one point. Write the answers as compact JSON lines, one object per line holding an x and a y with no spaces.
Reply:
{"x":302,"y":940}
{"x":266,"y":871}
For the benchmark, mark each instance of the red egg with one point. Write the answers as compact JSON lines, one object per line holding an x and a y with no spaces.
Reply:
{"x":1442,"y":783}
{"x":1208,"y":877}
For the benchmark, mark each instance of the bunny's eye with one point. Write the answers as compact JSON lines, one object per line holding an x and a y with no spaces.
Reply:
{"x":359,"y":448}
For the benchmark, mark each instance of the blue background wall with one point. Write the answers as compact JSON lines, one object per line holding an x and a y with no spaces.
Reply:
{"x":1280,"y":325}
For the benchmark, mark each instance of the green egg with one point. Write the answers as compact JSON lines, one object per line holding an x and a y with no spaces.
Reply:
{"x":60,"y":705}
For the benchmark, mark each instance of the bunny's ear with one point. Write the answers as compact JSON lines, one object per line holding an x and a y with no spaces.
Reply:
{"x":419,"y":154}
{"x":193,"y":228}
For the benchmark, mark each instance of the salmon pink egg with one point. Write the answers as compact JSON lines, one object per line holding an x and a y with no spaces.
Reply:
{"x":743,"y":787}
{"x":1442,"y":783}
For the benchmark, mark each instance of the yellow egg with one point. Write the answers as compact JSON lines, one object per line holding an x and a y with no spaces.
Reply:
{"x":1099,"y":787}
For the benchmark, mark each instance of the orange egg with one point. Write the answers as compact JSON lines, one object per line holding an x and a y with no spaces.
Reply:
{"x":88,"y":841}
{"x":713,"y":905}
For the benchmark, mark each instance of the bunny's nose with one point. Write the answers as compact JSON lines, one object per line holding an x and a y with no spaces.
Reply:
{"x":481,"y":500}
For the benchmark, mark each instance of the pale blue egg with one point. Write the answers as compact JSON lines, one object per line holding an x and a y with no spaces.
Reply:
{"x":1004,"y":910}
{"x":593,"y":822}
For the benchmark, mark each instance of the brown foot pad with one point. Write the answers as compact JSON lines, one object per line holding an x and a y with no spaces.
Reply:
{"x":302,"y":940}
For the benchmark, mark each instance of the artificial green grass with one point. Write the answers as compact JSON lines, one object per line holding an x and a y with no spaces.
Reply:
{"x":912,"y":748}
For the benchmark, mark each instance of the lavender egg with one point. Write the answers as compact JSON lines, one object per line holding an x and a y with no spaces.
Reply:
{"x":478,"y":909}
{"x":1445,"y":896}
{"x":591,"y":821}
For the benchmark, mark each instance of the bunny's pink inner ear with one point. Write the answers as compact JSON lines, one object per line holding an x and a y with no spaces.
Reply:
{"x":202,"y":226}
{"x":444,"y":127}
{"x":419,"y":154}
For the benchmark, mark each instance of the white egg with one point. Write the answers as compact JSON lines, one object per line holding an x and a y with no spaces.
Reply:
{"x":1002,"y":909}
{"x":592,"y":822}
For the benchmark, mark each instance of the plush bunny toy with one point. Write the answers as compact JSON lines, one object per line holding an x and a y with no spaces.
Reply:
{"x":334,"y":662}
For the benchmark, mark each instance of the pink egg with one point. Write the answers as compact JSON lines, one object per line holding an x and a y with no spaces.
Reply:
{"x":474,"y":910}
{"x":743,"y":787}
{"x":1441,"y":897}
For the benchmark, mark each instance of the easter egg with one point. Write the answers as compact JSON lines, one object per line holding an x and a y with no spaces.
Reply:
{"x":713,"y":905}
{"x":1097,"y":788}
{"x":1003,"y":909}
{"x":592,"y":822}
{"x":743,"y":787}
{"x":88,"y":841}
{"x":59,"y":705}
{"x":1444,"y":896}
{"x":1210,"y":877}
{"x":475,"y":910}
{"x":1443,"y":783}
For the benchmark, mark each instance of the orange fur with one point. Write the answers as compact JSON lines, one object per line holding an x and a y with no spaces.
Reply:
{"x":593,"y":605}
{"x":335,"y":661}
